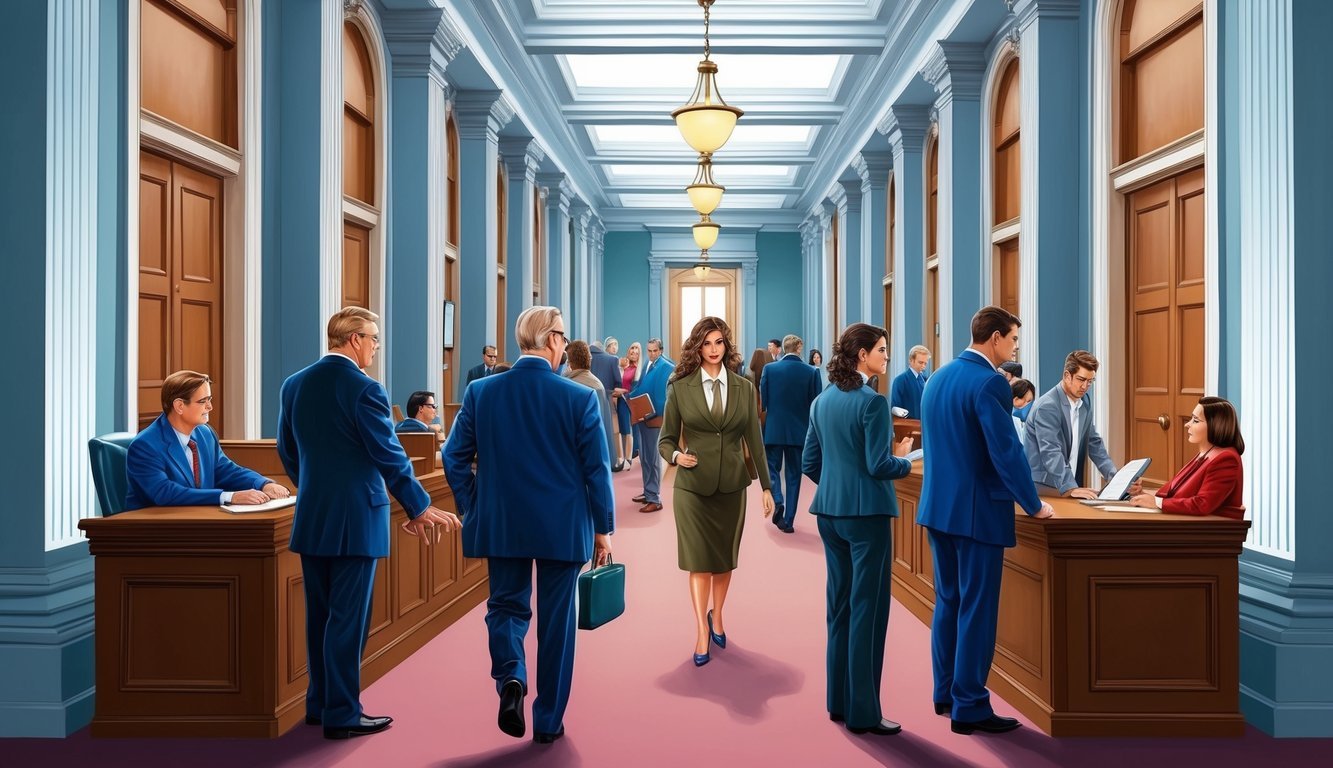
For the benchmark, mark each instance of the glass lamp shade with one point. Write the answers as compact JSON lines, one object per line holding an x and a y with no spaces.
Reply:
{"x":707,"y":121}
{"x":701,"y":270}
{"x":705,"y":197}
{"x":705,"y":233}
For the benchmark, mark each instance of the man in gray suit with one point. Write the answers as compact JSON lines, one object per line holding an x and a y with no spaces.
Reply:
{"x":1059,"y":436}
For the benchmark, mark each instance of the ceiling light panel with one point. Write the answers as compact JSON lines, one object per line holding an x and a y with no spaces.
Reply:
{"x":635,"y":136}
{"x":740,"y":73}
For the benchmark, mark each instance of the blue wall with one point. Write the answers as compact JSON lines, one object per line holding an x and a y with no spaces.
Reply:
{"x":625,"y":288}
{"x":779,"y":286}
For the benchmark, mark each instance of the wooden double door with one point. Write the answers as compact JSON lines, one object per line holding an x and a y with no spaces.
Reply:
{"x":1166,"y":329}
{"x":180,"y":280}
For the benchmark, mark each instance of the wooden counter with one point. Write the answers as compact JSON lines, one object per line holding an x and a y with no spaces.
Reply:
{"x":1111,"y":623}
{"x":201,"y":614}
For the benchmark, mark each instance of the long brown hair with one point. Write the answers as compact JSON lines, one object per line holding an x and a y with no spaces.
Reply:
{"x":846,"y":354}
{"x":690,"y":359}
{"x":1223,"y":424}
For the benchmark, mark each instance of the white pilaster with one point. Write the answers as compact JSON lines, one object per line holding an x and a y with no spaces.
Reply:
{"x":330,"y":159}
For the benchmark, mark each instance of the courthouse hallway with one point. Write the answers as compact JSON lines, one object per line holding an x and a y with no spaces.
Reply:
{"x":638,"y":699}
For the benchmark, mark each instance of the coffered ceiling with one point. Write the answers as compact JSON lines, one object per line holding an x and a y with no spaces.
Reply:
{"x":595,"y":81}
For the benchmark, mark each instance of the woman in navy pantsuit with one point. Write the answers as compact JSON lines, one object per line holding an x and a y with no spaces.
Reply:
{"x":849,"y":454}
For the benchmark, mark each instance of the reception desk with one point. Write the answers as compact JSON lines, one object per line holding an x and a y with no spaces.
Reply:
{"x":201,"y":614}
{"x":1111,"y":623}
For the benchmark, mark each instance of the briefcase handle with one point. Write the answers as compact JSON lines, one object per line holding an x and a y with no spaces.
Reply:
{"x":610,"y":560}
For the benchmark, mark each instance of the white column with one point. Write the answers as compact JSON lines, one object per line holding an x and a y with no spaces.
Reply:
{"x":330,"y":159}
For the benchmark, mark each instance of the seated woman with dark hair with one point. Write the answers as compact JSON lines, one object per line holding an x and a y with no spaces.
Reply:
{"x":1211,"y":484}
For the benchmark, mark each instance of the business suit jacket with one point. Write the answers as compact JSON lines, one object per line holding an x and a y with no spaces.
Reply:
{"x":1047,"y":441}
{"x":543,"y":481}
{"x":336,"y":440}
{"x":974,"y":466}
{"x":905,"y":392}
{"x":787,"y":388}
{"x":412,"y":425}
{"x":1212,"y":487}
{"x":849,"y":454}
{"x":475,"y":372}
{"x":585,"y":377}
{"x":606,"y":367}
{"x":721,"y":467}
{"x":654,"y":384}
{"x":160,"y":476}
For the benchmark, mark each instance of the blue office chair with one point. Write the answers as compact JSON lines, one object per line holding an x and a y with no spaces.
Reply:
{"x":106,"y":454}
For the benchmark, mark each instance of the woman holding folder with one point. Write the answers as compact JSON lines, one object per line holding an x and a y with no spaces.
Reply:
{"x":709,"y":421}
{"x":1211,"y":484}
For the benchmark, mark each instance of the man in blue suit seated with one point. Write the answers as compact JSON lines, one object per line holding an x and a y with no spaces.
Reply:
{"x":176,"y":460}
{"x":652,"y":382}
{"x":908,"y":385}
{"x":541,"y":494}
{"x":421,"y":411}
{"x":336,"y":439}
{"x":786,"y":390}
{"x":975,"y":470}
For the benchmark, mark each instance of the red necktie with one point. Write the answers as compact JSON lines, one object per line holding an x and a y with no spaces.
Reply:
{"x":194,"y":461}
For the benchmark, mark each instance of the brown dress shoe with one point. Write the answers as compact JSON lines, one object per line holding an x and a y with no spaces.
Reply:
{"x":651,"y":506}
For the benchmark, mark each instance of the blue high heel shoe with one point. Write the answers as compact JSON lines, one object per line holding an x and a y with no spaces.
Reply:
{"x":701,"y":659}
{"x":720,"y":640}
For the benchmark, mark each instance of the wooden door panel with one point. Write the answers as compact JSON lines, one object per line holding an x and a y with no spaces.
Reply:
{"x":199,"y":198}
{"x":155,"y":336}
{"x":1006,"y":275}
{"x":932,"y":339}
{"x":356,"y":266}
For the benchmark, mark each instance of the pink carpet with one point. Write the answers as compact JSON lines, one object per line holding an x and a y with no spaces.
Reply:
{"x":639,"y":701}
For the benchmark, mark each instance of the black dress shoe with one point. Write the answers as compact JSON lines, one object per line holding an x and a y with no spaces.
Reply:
{"x":943,"y":707}
{"x":787,"y":529}
{"x":312,"y":720}
{"x":547,"y":738}
{"x":368,"y":725}
{"x":640,"y":499}
{"x":510,"y":719}
{"x":992,"y":724}
{"x":885,"y":728}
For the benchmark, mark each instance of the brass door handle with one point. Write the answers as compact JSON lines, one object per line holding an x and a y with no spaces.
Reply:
{"x":1164,"y":422}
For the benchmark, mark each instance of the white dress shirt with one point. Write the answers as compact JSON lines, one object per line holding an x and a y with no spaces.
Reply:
{"x":708,"y":387}
{"x":1075,"y":410}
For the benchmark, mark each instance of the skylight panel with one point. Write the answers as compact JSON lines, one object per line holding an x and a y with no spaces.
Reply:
{"x":629,"y":172}
{"x":668,"y":135}
{"x":738,"y":72}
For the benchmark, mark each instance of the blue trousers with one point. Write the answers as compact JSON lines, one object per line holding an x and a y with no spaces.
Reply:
{"x":650,"y":463}
{"x":789,"y":455}
{"x":857,"y":551}
{"x":508,"y":613}
{"x":337,"y":618}
{"x":962,"y":632}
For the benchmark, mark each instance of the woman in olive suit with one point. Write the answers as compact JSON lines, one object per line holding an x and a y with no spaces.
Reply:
{"x":850,"y":455}
{"x":710,"y":416}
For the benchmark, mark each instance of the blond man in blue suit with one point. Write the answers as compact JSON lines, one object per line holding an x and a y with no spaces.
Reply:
{"x":540,"y":495}
{"x":336,"y":440}
{"x":975,"y":470}
{"x":176,"y":461}
{"x":849,"y":454}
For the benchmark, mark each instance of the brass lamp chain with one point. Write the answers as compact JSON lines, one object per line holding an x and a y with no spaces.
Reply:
{"x":707,"y":49}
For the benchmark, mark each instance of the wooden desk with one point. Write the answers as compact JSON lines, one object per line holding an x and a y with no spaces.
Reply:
{"x":1111,"y":623}
{"x":201,"y":615}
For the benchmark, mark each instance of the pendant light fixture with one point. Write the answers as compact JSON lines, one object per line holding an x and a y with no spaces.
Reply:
{"x":706,"y":232}
{"x":705,"y":194}
{"x":706,"y":121}
{"x":701,"y":269}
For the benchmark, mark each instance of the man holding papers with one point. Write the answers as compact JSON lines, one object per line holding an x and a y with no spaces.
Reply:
{"x":652,"y":382}
{"x":176,"y":460}
{"x":1060,"y":435}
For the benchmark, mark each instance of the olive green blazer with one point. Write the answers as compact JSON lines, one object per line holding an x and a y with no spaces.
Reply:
{"x":721,"y":467}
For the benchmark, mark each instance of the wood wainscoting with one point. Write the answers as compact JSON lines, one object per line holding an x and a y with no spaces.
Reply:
{"x":1111,"y":623}
{"x":201,"y":614}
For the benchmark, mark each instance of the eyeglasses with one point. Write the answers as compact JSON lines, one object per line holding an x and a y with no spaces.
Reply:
{"x":428,"y":405}
{"x":200,"y":401}
{"x":375,"y":339}
{"x":562,"y":336}
{"x":1085,"y":380}
{"x":490,"y":357}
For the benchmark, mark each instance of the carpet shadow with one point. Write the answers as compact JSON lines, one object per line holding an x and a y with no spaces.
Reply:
{"x":561,"y":754}
{"x":741,"y":682}
{"x":629,"y":516}
{"x":908,"y":750}
{"x":805,"y":539}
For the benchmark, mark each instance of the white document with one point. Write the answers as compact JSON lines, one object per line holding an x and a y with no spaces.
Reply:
{"x":1127,"y":508}
{"x":1119,"y":485}
{"x":915,"y":455}
{"x":240,"y":509}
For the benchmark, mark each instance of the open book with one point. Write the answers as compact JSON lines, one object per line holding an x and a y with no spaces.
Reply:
{"x":239,"y":509}
{"x":1118,"y":488}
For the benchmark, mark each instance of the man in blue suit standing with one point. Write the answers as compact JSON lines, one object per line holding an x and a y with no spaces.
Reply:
{"x":907,"y":386}
{"x":652,"y":382}
{"x":541,"y":493}
{"x":336,"y":439}
{"x":176,"y":460}
{"x":787,"y":387}
{"x":975,"y":470}
{"x":485,"y":368}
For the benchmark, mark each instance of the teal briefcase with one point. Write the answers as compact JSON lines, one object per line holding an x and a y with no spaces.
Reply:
{"x":601,"y":595}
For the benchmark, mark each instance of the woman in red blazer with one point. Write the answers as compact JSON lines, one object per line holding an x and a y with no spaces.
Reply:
{"x":1210,"y":484}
